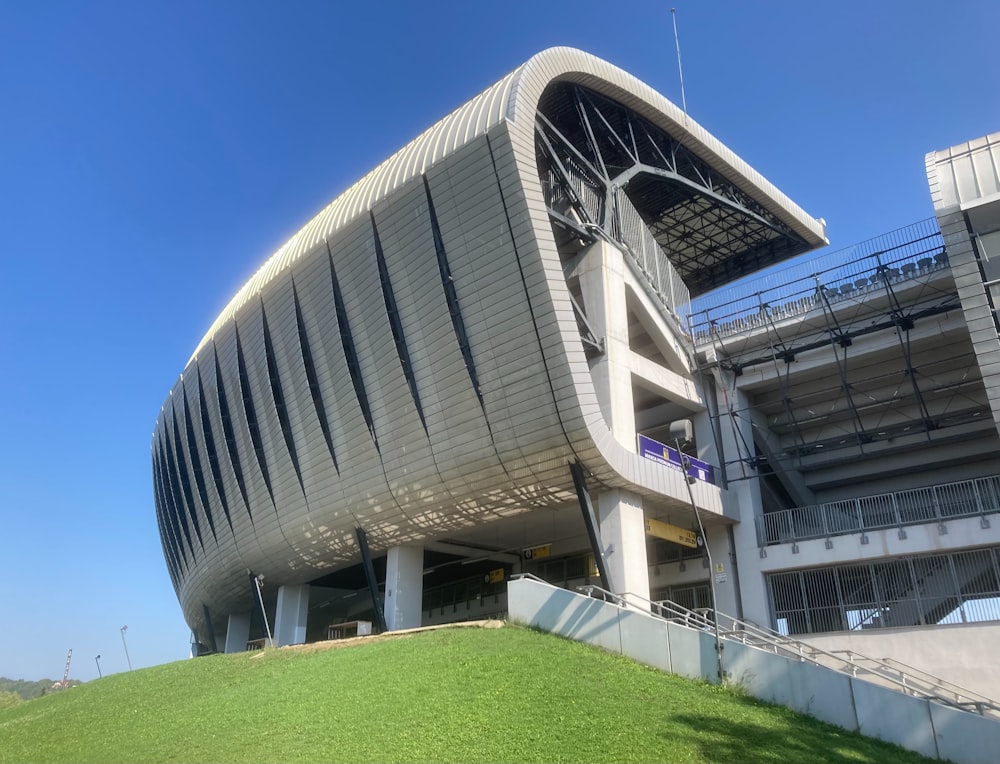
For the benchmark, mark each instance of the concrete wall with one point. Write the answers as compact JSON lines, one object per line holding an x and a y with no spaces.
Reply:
{"x":963,"y":654}
{"x":962,"y":533}
{"x":913,"y":723}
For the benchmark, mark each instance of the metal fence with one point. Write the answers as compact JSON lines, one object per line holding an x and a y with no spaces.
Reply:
{"x":960,"y":587}
{"x":936,"y":503}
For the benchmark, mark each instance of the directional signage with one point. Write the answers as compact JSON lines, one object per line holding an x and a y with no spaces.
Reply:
{"x":674,"y":533}
{"x":537,"y":552}
{"x":668,"y":457}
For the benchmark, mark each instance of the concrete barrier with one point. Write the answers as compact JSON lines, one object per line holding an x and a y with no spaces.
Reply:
{"x":916,"y":724}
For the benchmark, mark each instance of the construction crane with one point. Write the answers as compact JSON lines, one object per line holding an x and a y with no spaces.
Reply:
{"x":65,"y":679}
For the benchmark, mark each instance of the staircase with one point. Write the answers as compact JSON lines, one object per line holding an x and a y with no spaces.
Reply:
{"x":884,"y":699}
{"x":882,"y":671}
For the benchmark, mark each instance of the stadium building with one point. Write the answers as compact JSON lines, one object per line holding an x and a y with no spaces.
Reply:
{"x":534,"y":340}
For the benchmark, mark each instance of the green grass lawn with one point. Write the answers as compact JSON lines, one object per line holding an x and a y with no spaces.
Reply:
{"x":463,"y":695}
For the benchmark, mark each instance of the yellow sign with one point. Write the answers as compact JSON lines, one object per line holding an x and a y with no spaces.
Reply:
{"x":674,"y":533}
{"x":495,"y":576}
{"x":537,"y":552}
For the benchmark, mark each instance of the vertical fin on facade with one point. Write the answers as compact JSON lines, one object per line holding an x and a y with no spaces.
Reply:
{"x":250,"y":411}
{"x":199,"y":475}
{"x":213,"y":460}
{"x":451,"y":296}
{"x":230,"y":434}
{"x":173,"y":495}
{"x":350,"y":353}
{"x":274,"y":378}
{"x":167,"y":534}
{"x":396,"y":324}
{"x":178,"y":475}
{"x":312,"y":378}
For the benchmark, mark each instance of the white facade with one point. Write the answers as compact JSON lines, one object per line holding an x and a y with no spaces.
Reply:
{"x":505,"y":297}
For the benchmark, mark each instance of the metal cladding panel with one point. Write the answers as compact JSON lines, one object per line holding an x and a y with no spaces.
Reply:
{"x":965,"y":173}
{"x":472,"y":454}
{"x":512,"y":101}
{"x":408,"y":247}
{"x":269,"y":463}
{"x":311,"y":453}
{"x":499,"y":319}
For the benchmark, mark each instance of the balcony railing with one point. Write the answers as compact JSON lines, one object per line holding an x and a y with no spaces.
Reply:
{"x":932,"y":504}
{"x":907,"y":253}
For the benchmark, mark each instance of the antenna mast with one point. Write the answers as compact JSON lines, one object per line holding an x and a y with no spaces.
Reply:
{"x":680,"y":69}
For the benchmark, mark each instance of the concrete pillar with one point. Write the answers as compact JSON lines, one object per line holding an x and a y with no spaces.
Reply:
{"x":237,"y":632}
{"x":602,"y":283}
{"x":623,"y":533}
{"x":723,"y":571}
{"x":290,"y":619}
{"x":404,"y":587}
{"x":743,"y":501}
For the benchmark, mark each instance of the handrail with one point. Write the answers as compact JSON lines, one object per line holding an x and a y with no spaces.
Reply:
{"x":911,"y":673}
{"x":907,"y":680}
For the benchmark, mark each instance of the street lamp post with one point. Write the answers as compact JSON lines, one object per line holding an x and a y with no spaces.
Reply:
{"x":129,"y":660}
{"x":97,"y":660}
{"x":260,"y":598}
{"x":680,"y":431}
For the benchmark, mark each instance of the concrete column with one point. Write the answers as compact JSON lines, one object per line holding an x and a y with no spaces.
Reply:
{"x":723,"y":571}
{"x":404,"y":587}
{"x":237,"y":632}
{"x":602,"y":282}
{"x":623,"y":533}
{"x":743,"y":501}
{"x":290,"y":619}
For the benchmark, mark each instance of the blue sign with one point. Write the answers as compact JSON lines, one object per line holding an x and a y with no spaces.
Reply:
{"x":668,"y":457}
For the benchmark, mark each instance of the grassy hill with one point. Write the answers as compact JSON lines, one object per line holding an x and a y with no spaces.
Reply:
{"x":461,"y":694}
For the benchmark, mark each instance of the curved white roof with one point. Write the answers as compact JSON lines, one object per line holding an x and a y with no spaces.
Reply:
{"x":513,"y":100}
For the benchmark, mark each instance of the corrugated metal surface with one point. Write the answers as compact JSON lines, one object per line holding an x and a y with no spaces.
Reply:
{"x":967,"y":172}
{"x":514,"y":99}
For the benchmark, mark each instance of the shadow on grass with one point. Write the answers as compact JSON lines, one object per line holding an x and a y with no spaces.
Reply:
{"x":788,"y":740}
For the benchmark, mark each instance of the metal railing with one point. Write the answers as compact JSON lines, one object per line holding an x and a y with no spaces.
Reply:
{"x":881,"y":671}
{"x":624,"y":225}
{"x":910,"y":252}
{"x":884,"y":672}
{"x":904,"y":591}
{"x":646,"y":252}
{"x":932,"y":504}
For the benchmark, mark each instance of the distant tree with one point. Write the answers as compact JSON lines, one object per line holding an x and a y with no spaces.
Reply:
{"x":9,"y":699}
{"x":28,"y":689}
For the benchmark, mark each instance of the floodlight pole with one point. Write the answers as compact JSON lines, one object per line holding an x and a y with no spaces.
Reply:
{"x":97,"y":660}
{"x":685,"y":461}
{"x":129,"y":660}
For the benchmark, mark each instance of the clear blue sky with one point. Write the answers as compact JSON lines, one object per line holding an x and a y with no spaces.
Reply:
{"x":153,"y":154}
